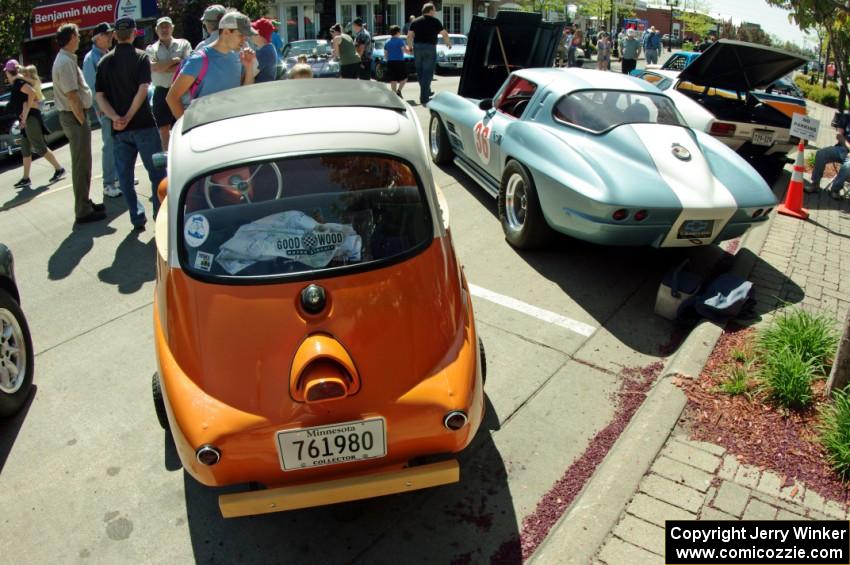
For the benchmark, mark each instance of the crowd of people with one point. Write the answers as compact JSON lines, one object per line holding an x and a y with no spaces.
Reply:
{"x":138,"y":95}
{"x":630,"y":43}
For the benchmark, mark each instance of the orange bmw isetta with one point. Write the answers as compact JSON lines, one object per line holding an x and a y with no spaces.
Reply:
{"x":314,"y":330}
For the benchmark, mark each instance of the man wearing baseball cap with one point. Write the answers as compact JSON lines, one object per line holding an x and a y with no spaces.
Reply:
{"x":267,"y":55}
{"x":101,"y":44}
{"x":123,"y":79}
{"x":212,"y":15}
{"x":224,"y":64}
{"x":166,"y":55}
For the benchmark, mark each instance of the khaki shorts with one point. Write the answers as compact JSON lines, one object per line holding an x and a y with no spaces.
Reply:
{"x":33,"y":141}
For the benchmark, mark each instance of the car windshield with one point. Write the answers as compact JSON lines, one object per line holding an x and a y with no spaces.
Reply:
{"x":302,"y":215}
{"x":306,"y":48}
{"x":458,"y":39}
{"x":602,"y":110}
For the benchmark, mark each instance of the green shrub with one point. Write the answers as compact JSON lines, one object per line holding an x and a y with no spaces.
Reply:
{"x":829,"y":97}
{"x":737,"y":383}
{"x":810,"y":158}
{"x":812,"y":336}
{"x":787,"y":378}
{"x":834,"y":430}
{"x":687,"y":46}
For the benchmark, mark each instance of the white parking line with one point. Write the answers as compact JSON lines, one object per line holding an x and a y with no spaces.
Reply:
{"x":545,"y":315}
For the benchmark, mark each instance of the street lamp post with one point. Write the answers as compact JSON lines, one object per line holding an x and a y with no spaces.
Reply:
{"x":672,"y":4}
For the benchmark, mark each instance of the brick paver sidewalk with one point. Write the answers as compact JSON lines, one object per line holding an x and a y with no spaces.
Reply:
{"x":801,"y":263}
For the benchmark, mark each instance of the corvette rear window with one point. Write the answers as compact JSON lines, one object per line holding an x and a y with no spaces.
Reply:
{"x":302,"y":215}
{"x":601,"y":110}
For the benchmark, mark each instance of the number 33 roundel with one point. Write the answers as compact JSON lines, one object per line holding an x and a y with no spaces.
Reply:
{"x":482,"y":141}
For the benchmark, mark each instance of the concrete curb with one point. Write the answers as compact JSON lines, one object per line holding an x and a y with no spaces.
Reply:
{"x":578,"y":535}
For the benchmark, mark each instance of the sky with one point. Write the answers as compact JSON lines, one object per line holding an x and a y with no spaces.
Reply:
{"x":772,"y":19}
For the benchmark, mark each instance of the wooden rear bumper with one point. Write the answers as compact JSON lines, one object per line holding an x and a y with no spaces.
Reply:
{"x":338,"y":490}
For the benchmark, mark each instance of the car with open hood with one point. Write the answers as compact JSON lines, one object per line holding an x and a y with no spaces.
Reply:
{"x":728,"y":79}
{"x":314,"y":330}
{"x":595,"y":155}
{"x":16,"y":353}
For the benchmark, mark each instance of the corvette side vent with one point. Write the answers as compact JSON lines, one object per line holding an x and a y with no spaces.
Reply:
{"x":451,"y":127}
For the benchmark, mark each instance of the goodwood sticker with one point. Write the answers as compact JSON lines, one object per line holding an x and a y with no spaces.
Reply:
{"x":290,"y":235}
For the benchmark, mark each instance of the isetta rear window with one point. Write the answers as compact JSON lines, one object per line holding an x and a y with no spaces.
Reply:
{"x":303,"y":215}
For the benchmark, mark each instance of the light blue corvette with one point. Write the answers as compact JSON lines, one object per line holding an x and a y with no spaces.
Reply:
{"x":598,"y":156}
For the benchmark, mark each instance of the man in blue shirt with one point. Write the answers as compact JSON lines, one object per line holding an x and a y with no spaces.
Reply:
{"x":218,"y":66}
{"x":652,"y":45}
{"x":101,"y":43}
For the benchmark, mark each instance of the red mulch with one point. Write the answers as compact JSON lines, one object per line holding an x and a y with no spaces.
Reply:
{"x":633,"y":389}
{"x":754,"y":430}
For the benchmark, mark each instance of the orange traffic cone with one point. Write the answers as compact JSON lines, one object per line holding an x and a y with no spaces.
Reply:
{"x":793,"y":205}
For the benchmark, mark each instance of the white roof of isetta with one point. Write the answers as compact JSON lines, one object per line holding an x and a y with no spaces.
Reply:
{"x":564,"y":81}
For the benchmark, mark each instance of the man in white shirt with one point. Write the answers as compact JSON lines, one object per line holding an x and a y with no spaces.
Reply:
{"x":165,"y":55}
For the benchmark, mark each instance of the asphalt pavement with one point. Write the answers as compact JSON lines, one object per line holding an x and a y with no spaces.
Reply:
{"x":87,"y":475}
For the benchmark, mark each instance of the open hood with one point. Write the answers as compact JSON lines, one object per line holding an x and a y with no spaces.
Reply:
{"x":740,"y":66}
{"x":497,"y":47}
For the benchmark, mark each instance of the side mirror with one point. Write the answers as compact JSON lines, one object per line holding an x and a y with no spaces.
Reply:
{"x":160,"y":160}
{"x":486,"y":104}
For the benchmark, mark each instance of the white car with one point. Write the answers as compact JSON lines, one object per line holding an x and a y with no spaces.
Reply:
{"x":451,"y":58}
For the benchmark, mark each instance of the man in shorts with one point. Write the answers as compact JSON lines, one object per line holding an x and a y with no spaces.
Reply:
{"x":363,"y":46}
{"x":165,"y":54}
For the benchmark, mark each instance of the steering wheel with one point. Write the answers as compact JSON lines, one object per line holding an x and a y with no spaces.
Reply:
{"x":238,"y":187}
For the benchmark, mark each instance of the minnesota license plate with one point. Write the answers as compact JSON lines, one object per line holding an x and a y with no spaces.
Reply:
{"x":762,"y":137}
{"x":696,"y":229}
{"x":329,"y":445}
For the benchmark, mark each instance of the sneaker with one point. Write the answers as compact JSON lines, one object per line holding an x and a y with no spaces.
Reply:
{"x":111,"y":191}
{"x":93,"y":216}
{"x":24,"y":182}
{"x":399,"y":93}
{"x":140,"y":226}
{"x":60,"y":172}
{"x":97,"y":207}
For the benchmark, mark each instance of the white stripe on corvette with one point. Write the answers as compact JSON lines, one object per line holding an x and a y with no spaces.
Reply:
{"x":702,"y":195}
{"x":545,"y":315}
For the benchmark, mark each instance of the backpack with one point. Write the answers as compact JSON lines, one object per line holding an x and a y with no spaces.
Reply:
{"x":205,"y":63}
{"x":725,"y":298}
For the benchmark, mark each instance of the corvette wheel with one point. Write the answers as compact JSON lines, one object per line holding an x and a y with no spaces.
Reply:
{"x":441,"y":150}
{"x":16,"y":356}
{"x":519,"y":210}
{"x":159,"y":402}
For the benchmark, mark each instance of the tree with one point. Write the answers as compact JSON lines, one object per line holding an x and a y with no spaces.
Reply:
{"x":14,"y":25}
{"x":834,"y":16}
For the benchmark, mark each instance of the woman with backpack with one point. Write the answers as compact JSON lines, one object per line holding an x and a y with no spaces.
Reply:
{"x":24,"y":102}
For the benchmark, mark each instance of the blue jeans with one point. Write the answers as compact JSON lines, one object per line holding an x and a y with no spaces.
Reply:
{"x":127,"y":145}
{"x":425,"y":58}
{"x":651,"y":56}
{"x":834,"y":154}
{"x":108,"y":159}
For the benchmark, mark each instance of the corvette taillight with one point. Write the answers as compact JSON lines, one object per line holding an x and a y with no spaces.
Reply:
{"x":722,"y":129}
{"x":620,"y":214}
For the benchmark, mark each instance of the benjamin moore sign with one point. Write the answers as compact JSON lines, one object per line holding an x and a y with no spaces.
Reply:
{"x":48,"y":16}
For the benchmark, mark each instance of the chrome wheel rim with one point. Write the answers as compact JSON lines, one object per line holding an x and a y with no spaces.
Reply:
{"x":435,"y":137}
{"x":516,"y":202}
{"x":13,"y":353}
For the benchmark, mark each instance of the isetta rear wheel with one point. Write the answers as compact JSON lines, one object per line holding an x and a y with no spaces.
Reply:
{"x":438,"y":142}
{"x":16,"y":356}
{"x":519,"y":209}
{"x":483,"y":361}
{"x":242,"y":188}
{"x":159,"y":402}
